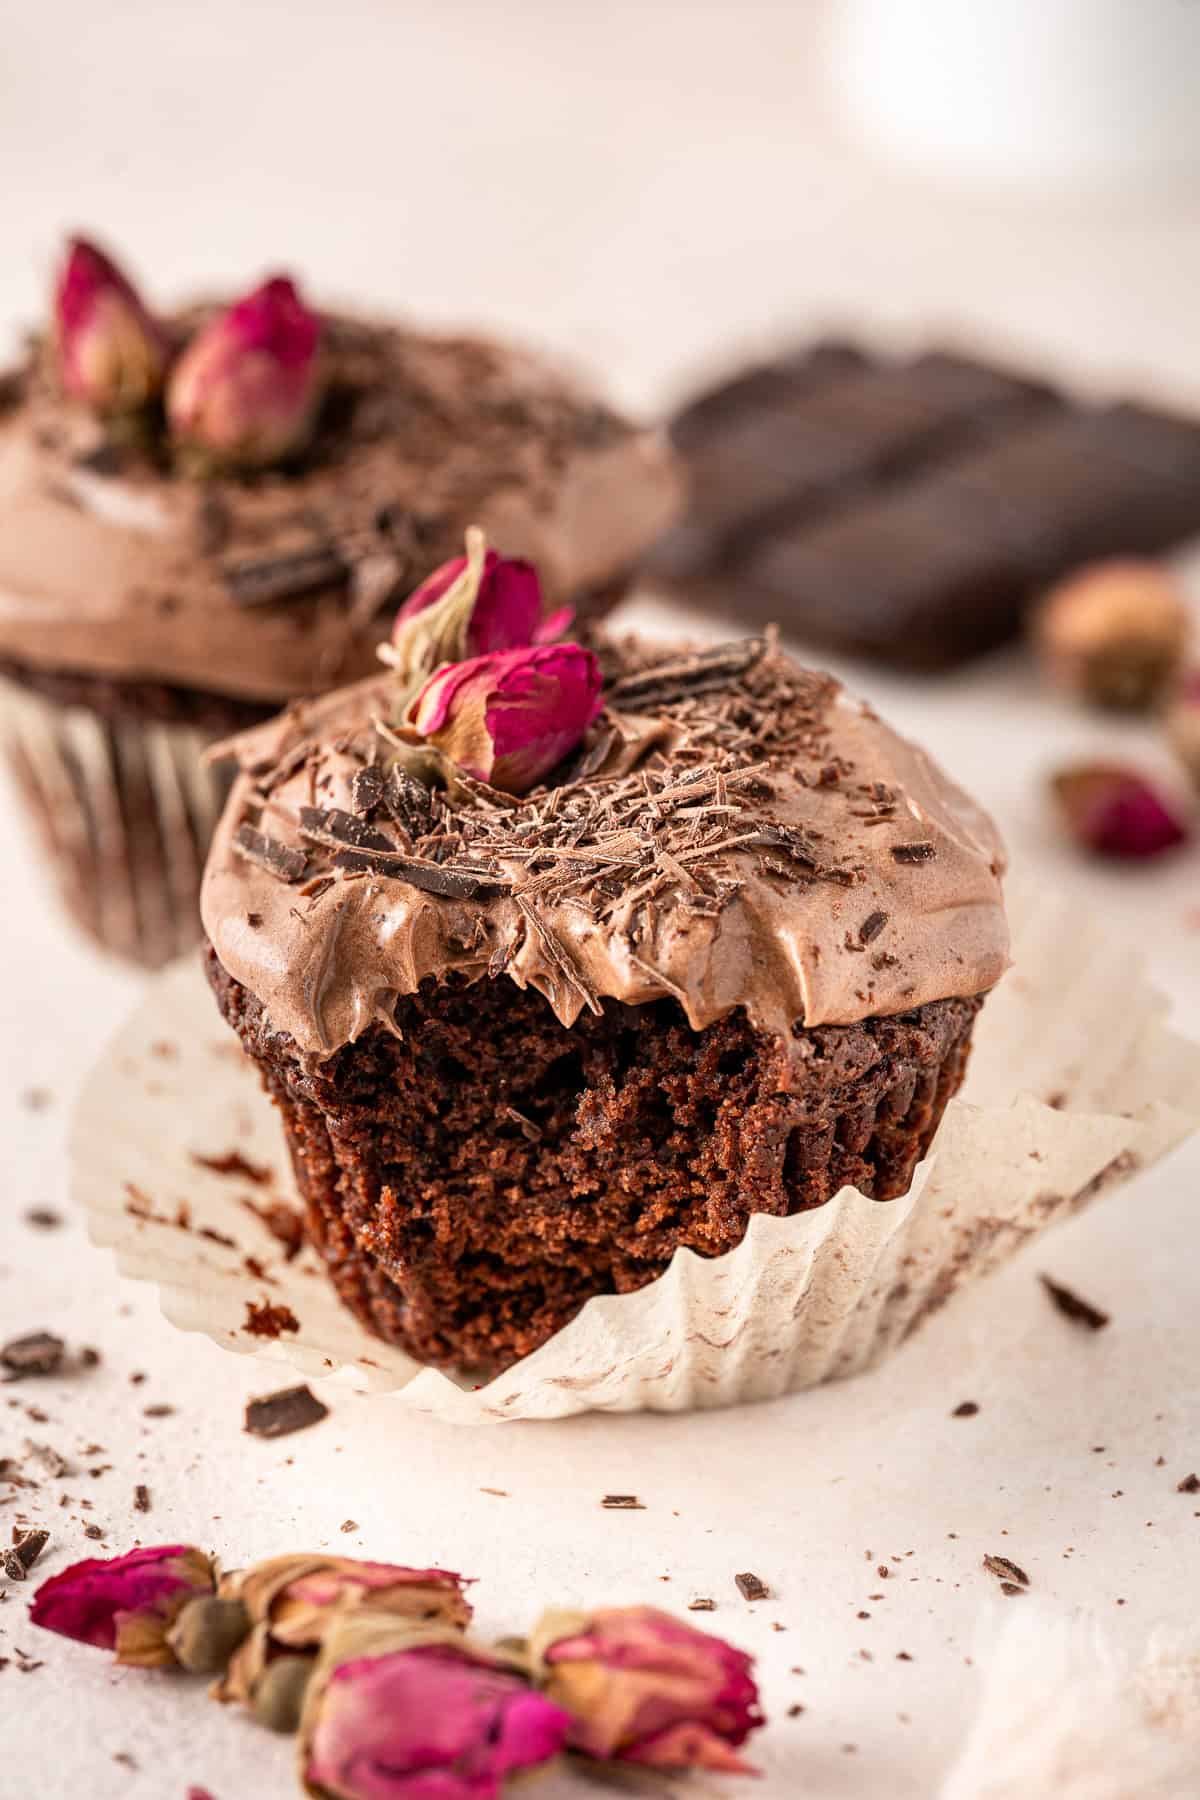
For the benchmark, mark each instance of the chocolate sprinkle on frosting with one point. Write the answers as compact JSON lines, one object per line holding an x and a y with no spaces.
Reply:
{"x":913,"y":853}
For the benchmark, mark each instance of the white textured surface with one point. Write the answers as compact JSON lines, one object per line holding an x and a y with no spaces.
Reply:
{"x":640,"y":184}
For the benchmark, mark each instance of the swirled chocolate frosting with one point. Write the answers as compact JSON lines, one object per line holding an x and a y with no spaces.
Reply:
{"x":735,"y":831}
{"x":268,"y":586}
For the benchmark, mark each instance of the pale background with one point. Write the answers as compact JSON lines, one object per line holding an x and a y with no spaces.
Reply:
{"x":642,"y":185}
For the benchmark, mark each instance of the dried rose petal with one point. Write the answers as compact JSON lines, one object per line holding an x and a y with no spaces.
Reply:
{"x":245,"y":392}
{"x":112,"y":355}
{"x":1183,"y":724}
{"x":1113,"y":811}
{"x":507,"y":607}
{"x":509,"y":718}
{"x":644,"y":1687}
{"x":431,"y":1721}
{"x":125,"y":1603}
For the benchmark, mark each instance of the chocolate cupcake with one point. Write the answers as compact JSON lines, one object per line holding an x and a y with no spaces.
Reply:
{"x":201,"y":518}
{"x":556,"y":961}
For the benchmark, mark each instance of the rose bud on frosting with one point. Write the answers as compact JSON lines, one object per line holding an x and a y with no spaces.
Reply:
{"x":1115,"y":812}
{"x":245,"y":392}
{"x":644,"y":1687}
{"x":511,"y":717}
{"x":432,"y":1722}
{"x":125,"y":1603}
{"x":1183,"y":724}
{"x":112,"y":355}
{"x":294,"y":1602}
{"x":472,"y":606}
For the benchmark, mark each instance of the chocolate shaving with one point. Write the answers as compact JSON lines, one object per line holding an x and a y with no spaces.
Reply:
{"x":366,"y":790}
{"x":334,"y":829}
{"x":279,"y":1414}
{"x":410,"y":804}
{"x":38,"y":1353}
{"x":871,"y":927}
{"x":681,"y":677}
{"x":752,"y":1587}
{"x":966,"y":1409}
{"x":1073,"y":1307}
{"x":622,"y":1503}
{"x":27,"y":1546}
{"x":280,"y":860}
{"x":141,"y":1498}
{"x":913,"y":853}
{"x":1008,"y":1572}
{"x":288,"y":577}
{"x":790,"y":842}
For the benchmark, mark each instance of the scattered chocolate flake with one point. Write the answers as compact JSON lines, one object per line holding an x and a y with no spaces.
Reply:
{"x":1010,"y":1573}
{"x":702,"y":1604}
{"x":883,"y":1571}
{"x":913,"y":853}
{"x":752,"y":1587}
{"x":141,"y":1498}
{"x":794,"y":1710}
{"x":903,"y":1656}
{"x":49,"y":1459}
{"x":348,"y":1525}
{"x":366,"y":790}
{"x":410,"y":804}
{"x":268,"y":853}
{"x":279,"y":1414}
{"x":500,"y":1493}
{"x":254,"y":920}
{"x":1072,"y":1306}
{"x":266,"y":1320}
{"x":1189,"y":1485}
{"x":89,"y":1357}
{"x":871,"y":927}
{"x":27,"y":1546}
{"x":683,"y":676}
{"x":92,"y":1531}
{"x":287,"y":577}
{"x":37,"y":1353}
{"x":966,"y":1409}
{"x":43,"y":1218}
{"x":234,"y":1163}
{"x":284,"y":1223}
{"x":160,"y":1410}
{"x":36,"y":1099}
{"x":623,"y":1503}
{"x":335,"y":829}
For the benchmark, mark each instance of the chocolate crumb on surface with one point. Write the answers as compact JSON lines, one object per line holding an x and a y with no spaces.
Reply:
{"x":1189,"y":1485}
{"x":913,"y":853}
{"x":752,"y":1587}
{"x":1072,"y":1306}
{"x":279,"y":1414}
{"x":92,"y":1531}
{"x":1008,"y":1572}
{"x":348,"y":1525}
{"x":43,"y":1218}
{"x":160,"y":1409}
{"x":702,"y":1604}
{"x":141,"y":1498}
{"x":37,"y":1353}
{"x":267,"y":1320}
{"x":966,"y":1409}
{"x":622,"y":1503}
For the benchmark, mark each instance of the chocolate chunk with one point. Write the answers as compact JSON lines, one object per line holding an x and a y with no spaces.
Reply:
{"x":366,"y":790}
{"x":277,"y":1415}
{"x":268,"y":853}
{"x":334,"y":829}
{"x":38,"y":1353}
{"x":141,"y":1497}
{"x":751,"y":1587}
{"x":27,"y":1546}
{"x":681,"y":676}
{"x":913,"y":853}
{"x":410,"y":804}
{"x":1073,"y":1307}
{"x":1008,"y":1572}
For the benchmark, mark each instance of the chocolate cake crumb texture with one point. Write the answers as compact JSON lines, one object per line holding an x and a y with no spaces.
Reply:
{"x":1072,"y":1306}
{"x":279,"y":1414}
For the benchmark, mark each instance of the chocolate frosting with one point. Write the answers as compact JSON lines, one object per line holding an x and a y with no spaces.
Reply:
{"x":110,"y":564}
{"x":737,"y":831}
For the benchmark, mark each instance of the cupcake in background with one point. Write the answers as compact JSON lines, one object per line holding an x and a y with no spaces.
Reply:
{"x":202,"y":516}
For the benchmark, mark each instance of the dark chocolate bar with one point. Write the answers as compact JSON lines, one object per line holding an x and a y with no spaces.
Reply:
{"x":909,"y":511}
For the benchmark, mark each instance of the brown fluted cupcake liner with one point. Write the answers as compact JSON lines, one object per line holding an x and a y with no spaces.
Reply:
{"x":1067,"y":1096}
{"x":124,"y":808}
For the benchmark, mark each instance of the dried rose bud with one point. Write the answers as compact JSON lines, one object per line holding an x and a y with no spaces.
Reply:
{"x":473,"y":605}
{"x":125,"y":1603}
{"x":1114,"y":633}
{"x":1115,"y":812}
{"x":112,"y":355}
{"x":245,"y":392}
{"x":436,"y":1719}
{"x":643,"y":1687}
{"x":508,"y":719}
{"x":1183,"y":724}
{"x":293,"y":1603}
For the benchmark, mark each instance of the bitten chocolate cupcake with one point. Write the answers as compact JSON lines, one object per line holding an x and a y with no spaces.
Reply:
{"x":202,"y":515}
{"x":555,"y":960}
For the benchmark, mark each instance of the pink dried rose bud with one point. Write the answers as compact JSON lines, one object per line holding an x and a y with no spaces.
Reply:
{"x":1183,"y":724}
{"x":245,"y":392}
{"x":1114,"y":811}
{"x":125,"y":1603}
{"x":112,"y":355}
{"x":644,"y":1687}
{"x":432,"y":1721}
{"x":1114,"y":633}
{"x":509,"y":718}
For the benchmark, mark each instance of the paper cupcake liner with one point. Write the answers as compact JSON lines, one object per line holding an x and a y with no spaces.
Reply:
{"x":125,"y":810}
{"x":1068,"y":1093}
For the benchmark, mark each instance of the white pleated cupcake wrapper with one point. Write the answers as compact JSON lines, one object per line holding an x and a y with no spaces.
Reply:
{"x":131,"y":879}
{"x":1075,"y":1085}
